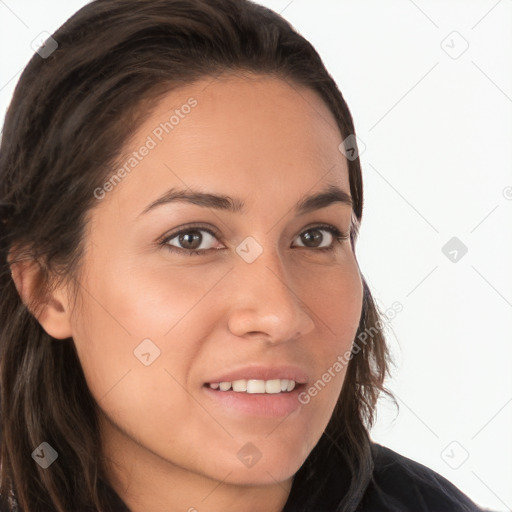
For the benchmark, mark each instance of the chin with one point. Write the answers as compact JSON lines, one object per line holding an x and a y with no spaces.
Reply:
{"x":260,"y":474}
{"x":252,"y":467}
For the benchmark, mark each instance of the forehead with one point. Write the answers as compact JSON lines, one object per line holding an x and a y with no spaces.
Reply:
{"x":235,"y":132}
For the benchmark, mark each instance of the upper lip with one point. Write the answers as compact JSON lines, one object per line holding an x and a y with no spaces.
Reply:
{"x":260,"y":372}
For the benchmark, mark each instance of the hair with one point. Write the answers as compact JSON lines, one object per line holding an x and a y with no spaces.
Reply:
{"x":70,"y":117}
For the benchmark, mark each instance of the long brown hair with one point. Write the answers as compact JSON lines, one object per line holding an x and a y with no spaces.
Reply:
{"x":71,"y":114}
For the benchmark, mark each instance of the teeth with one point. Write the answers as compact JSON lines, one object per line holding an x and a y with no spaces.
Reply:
{"x":239,"y":385}
{"x":253,"y":386}
{"x":273,"y":386}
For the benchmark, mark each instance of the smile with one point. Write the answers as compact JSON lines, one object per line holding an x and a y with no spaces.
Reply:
{"x":272,"y":386}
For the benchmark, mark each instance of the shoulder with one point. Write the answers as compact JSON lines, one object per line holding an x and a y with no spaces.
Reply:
{"x":401,"y":484}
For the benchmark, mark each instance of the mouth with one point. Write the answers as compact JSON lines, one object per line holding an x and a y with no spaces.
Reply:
{"x":255,"y":386}
{"x":275,"y":398}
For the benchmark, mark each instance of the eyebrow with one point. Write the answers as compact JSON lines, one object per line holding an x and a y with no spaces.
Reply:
{"x":330,"y":195}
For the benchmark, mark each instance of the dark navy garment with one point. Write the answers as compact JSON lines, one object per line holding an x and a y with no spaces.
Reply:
{"x":398,"y":484}
{"x":402,"y":484}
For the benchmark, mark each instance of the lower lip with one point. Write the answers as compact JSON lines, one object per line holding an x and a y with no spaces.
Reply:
{"x":258,"y":404}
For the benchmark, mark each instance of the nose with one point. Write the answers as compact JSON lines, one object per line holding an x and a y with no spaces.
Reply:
{"x":264,"y":303}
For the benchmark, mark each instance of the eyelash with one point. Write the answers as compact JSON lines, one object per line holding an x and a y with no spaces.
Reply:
{"x":339,"y":237}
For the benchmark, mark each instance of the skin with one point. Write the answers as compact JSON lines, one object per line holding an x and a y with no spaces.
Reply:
{"x":168,"y":446}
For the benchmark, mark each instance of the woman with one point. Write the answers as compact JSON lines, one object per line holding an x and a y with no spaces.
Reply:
{"x":184,"y":322}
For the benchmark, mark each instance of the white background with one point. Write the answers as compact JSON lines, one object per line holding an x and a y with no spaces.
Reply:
{"x":437,"y":132}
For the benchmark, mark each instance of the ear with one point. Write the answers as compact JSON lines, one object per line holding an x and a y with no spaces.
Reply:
{"x":53,"y":313}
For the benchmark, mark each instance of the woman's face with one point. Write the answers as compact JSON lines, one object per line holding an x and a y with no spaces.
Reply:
{"x":261,"y":301}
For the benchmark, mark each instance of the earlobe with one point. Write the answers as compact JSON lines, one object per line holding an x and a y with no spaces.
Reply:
{"x":52,"y":312}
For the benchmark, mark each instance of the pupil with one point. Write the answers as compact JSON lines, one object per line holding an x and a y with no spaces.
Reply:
{"x":307,"y":237}
{"x":186,"y":240}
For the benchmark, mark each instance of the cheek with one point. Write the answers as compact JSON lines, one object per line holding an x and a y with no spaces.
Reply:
{"x":152,"y":301}
{"x":337,"y":306}
{"x":137,"y":339}
{"x":335,"y":298}
{"x":133,"y":326}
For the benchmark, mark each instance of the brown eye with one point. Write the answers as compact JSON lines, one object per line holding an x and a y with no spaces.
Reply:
{"x":313,"y":237}
{"x":199,"y":240}
{"x":190,"y":240}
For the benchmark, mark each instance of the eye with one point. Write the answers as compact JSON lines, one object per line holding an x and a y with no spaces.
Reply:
{"x":189,"y":241}
{"x":312,"y":237}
